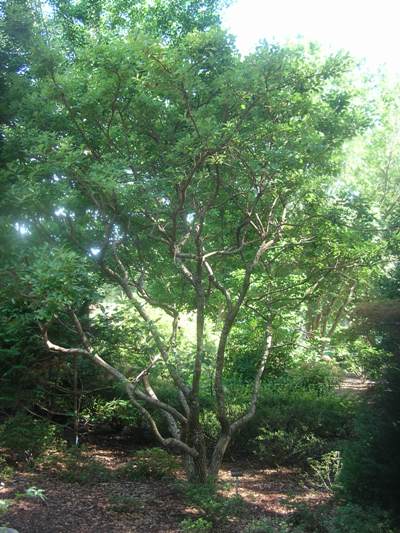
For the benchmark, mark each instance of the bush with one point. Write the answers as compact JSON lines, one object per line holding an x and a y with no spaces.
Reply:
{"x":154,"y":463}
{"x":287,"y":447}
{"x":33,"y":493}
{"x":351,"y":518}
{"x":317,"y":376}
{"x":4,"y":506}
{"x":25,"y":437}
{"x":6,"y":471}
{"x":325,"y":471}
{"x":371,"y":461}
{"x":363,"y":359}
{"x":118,"y":413}
{"x":292,"y":425}
{"x":83,"y":470}
{"x":201,"y":525}
{"x":214,"y":506}
{"x":348,"y":518}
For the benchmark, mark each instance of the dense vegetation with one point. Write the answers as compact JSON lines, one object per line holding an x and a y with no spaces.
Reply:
{"x":196,"y":248}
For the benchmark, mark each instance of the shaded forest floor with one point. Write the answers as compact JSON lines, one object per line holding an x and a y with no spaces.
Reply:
{"x":145,"y":505}
{"x":119,"y":505}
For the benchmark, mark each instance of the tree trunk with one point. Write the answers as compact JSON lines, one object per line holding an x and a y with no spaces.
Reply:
{"x":76,"y":400}
{"x":218,"y":455}
{"x":196,"y":469}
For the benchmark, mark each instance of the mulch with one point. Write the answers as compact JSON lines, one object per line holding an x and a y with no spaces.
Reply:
{"x":158,"y":505}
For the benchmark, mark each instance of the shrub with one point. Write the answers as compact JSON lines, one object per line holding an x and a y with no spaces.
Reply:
{"x":83,"y":470}
{"x":371,"y":461}
{"x":215,"y":507}
{"x":33,"y":493}
{"x":317,"y":376}
{"x":287,"y":447}
{"x":6,"y":471}
{"x":291,"y":426}
{"x":118,"y":413}
{"x":25,"y":437}
{"x":154,"y":463}
{"x":4,"y":506}
{"x":325,"y":471}
{"x":351,"y":518}
{"x":347,"y":518}
{"x":364,"y":359}
{"x":200,"y":525}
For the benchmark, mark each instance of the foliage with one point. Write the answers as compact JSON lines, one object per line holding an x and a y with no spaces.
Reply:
{"x":33,"y":493}
{"x":216,"y":508}
{"x":351,"y":518}
{"x":201,"y":525}
{"x":316,"y":376}
{"x":4,"y":506}
{"x":148,"y":161}
{"x":117,"y":412}
{"x":6,"y":470}
{"x":347,"y":518}
{"x":361,"y":358}
{"x":371,"y":462}
{"x":81,"y":469}
{"x":325,"y":471}
{"x":282,"y":447}
{"x":293,"y":425}
{"x":25,"y":437}
{"x":152,"y":463}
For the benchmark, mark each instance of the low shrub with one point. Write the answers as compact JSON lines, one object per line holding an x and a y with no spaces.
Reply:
{"x":316,"y":376}
{"x":25,"y":437}
{"x":347,"y":518}
{"x":117,"y":413}
{"x":351,"y":518}
{"x":77,"y":468}
{"x":6,"y":470}
{"x":200,"y":525}
{"x":283,"y":447}
{"x":326,"y":470}
{"x":4,"y":506}
{"x":215,"y":507}
{"x":293,"y":425}
{"x":33,"y":493}
{"x":153,"y":463}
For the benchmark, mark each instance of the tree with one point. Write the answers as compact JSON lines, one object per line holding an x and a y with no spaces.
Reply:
{"x":170,"y":167}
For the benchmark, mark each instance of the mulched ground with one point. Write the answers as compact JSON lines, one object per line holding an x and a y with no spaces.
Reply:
{"x":157,"y":506}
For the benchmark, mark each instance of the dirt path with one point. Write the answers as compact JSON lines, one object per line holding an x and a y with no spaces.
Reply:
{"x":154,"y":506}
{"x":354,"y":383}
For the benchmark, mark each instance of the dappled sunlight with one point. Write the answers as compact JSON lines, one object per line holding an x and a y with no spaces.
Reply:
{"x":273,"y":491}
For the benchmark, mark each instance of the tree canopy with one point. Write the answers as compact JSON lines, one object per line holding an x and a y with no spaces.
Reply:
{"x":142,"y":152}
